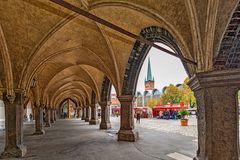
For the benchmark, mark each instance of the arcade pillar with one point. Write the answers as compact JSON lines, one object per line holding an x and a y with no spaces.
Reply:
{"x":105,"y":117}
{"x":48,"y":117}
{"x":217,"y":108}
{"x":52,"y":115}
{"x":87,"y":117}
{"x":38,"y":119}
{"x":14,"y":126}
{"x":127,"y":132}
{"x":79,"y":113}
{"x":93,"y":119}
{"x":83,"y":113}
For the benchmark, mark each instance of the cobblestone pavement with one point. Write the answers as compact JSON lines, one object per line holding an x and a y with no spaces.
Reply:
{"x":171,"y":126}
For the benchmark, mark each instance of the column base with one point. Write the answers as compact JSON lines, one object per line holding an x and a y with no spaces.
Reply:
{"x":52,"y":121}
{"x":105,"y":125}
{"x":93,"y":122}
{"x":83,"y":119}
{"x":14,"y":152}
{"x":86,"y":120}
{"x":40,"y":132}
{"x":195,"y":158}
{"x":47,"y":125}
{"x":127,"y":135}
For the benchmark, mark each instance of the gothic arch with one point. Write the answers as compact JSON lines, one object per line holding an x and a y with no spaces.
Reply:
{"x":106,"y":90}
{"x":229,"y":51}
{"x":139,"y":53}
{"x":73,"y":100}
{"x":7,"y":66}
{"x":93,"y":100}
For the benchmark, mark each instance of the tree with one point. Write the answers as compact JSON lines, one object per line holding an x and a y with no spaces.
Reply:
{"x":175,"y":95}
{"x":152,"y":102}
{"x":187,"y":94}
{"x":171,"y":95}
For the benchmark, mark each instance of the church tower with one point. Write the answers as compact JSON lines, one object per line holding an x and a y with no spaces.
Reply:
{"x":149,"y":81}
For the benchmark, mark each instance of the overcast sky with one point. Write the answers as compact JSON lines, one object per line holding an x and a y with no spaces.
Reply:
{"x":166,"y":69}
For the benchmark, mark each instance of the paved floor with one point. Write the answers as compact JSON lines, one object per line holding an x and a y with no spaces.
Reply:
{"x":75,"y":139}
{"x":172,"y":126}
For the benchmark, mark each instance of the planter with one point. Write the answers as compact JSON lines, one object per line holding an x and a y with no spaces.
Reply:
{"x":184,"y":122}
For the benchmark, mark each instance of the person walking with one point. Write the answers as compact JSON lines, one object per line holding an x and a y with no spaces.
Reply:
{"x":31,"y":117}
{"x":138,"y":118}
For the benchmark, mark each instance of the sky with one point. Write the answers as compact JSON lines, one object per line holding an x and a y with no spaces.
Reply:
{"x":166,"y":69}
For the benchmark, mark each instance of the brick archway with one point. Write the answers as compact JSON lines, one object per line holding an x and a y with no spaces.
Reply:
{"x":229,"y":51}
{"x":139,"y":53}
{"x":106,"y":90}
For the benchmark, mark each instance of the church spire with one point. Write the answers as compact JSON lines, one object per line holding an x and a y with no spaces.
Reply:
{"x":149,"y":81}
{"x":149,"y":72}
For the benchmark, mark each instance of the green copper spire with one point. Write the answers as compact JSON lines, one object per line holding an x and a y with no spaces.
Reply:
{"x":149,"y":72}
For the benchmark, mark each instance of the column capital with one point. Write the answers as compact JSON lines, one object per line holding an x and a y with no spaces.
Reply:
{"x":126,"y":99}
{"x":218,"y":78}
{"x":104,"y":103}
{"x":10,"y":98}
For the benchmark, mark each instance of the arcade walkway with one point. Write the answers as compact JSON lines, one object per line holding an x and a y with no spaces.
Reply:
{"x":75,"y":139}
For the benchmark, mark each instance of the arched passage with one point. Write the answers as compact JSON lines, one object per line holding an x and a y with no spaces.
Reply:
{"x":2,"y":115}
{"x":140,"y":51}
{"x":105,"y":103}
{"x":44,"y":30}
{"x":68,"y":108}
{"x":136,"y":59}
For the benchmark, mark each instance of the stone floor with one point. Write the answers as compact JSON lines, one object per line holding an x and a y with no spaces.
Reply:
{"x":172,"y":126}
{"x":75,"y":139}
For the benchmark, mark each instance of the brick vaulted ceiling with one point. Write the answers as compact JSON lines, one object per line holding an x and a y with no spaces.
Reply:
{"x":71,"y":54}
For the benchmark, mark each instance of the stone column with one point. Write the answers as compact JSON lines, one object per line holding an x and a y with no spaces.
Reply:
{"x":83,"y":113}
{"x":52,"y":115}
{"x":38,"y":120}
{"x":57,"y":114}
{"x":218,"y":133}
{"x":93,"y":119}
{"x":33,"y":112}
{"x":127,"y":132}
{"x":13,"y":130}
{"x":87,"y":116}
{"x":48,"y":117}
{"x":105,"y":117}
{"x":78,"y":112}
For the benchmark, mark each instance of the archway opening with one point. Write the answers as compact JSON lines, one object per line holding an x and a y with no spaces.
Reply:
{"x":28,"y":112}
{"x":162,"y":97}
{"x":68,"y":109}
{"x":115,"y":109}
{"x":115,"y":104}
{"x":2,"y":116}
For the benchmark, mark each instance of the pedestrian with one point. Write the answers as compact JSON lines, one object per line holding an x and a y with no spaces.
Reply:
{"x":31,"y":117}
{"x":138,"y":118}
